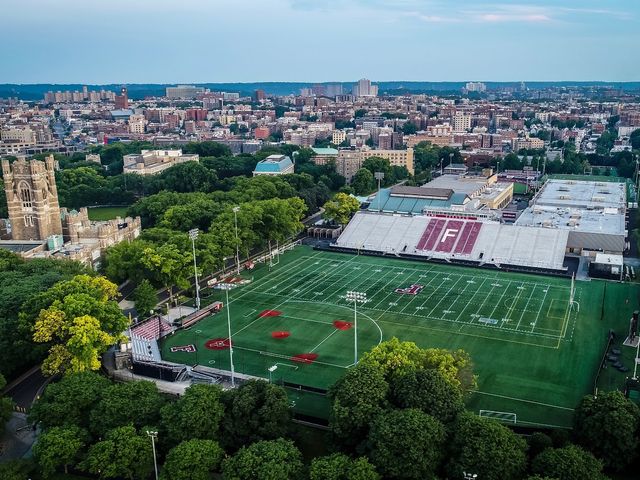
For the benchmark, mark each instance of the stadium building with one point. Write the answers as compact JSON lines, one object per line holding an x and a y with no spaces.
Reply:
{"x":593,"y":213}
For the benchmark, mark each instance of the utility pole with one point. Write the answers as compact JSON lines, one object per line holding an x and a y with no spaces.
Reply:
{"x":235,"y":220}
{"x":379,"y":176}
{"x":154,"y":436}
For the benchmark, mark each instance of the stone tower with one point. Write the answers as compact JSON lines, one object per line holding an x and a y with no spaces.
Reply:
{"x":32,"y":198}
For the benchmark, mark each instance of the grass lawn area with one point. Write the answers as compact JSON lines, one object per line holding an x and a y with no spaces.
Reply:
{"x":534,"y":356}
{"x":107,"y":213}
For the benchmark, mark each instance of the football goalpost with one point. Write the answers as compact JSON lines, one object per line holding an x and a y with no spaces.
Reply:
{"x":572,"y":300}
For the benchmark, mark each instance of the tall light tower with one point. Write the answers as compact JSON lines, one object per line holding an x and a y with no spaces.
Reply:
{"x":154,"y":437}
{"x":193,"y":234}
{"x":379,"y":176}
{"x":233,"y":375}
{"x":355,"y":297}
{"x":235,"y":220}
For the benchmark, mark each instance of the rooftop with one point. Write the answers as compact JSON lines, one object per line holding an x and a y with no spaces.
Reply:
{"x":582,"y":194}
{"x":468,"y":185}
{"x":607,"y":221}
{"x":325,"y":151}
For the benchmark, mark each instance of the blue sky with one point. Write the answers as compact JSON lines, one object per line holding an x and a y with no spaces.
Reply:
{"x":162,"y":41}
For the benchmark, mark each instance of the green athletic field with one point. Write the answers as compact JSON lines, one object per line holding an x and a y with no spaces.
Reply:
{"x":107,"y":213}
{"x":534,"y":356}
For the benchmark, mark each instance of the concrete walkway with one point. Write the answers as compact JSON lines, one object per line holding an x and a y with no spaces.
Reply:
{"x":18,"y":438}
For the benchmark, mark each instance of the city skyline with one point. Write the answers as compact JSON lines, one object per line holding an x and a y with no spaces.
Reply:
{"x":165,"y":42}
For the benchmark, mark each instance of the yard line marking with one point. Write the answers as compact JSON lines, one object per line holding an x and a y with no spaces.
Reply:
{"x":525,"y":307}
{"x":444,"y":296}
{"x":525,"y":401}
{"x":249,"y":313}
{"x":500,"y":300}
{"x":470,"y":301}
{"x":433,"y":277}
{"x":283,"y":356}
{"x":544,"y":299}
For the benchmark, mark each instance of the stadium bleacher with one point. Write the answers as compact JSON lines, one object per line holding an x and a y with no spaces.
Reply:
{"x":144,"y":339}
{"x":464,"y":237}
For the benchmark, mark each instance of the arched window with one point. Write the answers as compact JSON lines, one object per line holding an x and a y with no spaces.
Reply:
{"x":25,"y":195}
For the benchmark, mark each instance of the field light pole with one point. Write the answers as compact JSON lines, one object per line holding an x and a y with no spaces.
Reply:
{"x":379,"y":176}
{"x":193,"y":234}
{"x":154,"y":436}
{"x":235,"y":221}
{"x":233,"y":376}
{"x":355,"y":297}
{"x":272,"y":369}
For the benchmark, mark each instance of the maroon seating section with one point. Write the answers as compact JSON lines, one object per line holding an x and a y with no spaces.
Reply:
{"x":446,"y":243}
{"x":433,"y":238}
{"x":464,"y":236}
{"x":425,"y":235}
{"x":473,"y":236}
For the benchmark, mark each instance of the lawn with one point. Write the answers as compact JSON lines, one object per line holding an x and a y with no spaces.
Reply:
{"x":534,"y":356}
{"x":107,"y":213}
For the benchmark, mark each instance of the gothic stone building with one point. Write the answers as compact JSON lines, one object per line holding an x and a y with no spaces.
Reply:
{"x":32,"y":199}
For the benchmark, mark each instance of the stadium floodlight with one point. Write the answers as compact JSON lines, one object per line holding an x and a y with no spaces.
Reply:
{"x":235,"y":221}
{"x":193,"y":234}
{"x":233,"y":376}
{"x":355,"y":297}
{"x":154,"y":436}
{"x":272,"y":369}
{"x":379,"y":176}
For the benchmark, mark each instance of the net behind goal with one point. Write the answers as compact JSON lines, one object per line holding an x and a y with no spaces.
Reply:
{"x":506,"y":417}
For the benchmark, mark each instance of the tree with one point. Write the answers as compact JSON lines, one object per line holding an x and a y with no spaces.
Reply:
{"x":197,"y":414}
{"x":341,"y":467}
{"x":122,"y":454}
{"x":486,"y":448}
{"x":363,"y":182}
{"x":406,"y":444}
{"x":340,"y":208}
{"x":567,"y":463}
{"x":130,"y":403}
{"x":377,"y":164}
{"x":409,"y":128}
{"x":359,"y":396}
{"x":69,"y":401}
{"x":607,"y":426}
{"x":635,"y":139}
{"x":428,"y":391}
{"x":511,"y":162}
{"x":168,"y":265}
{"x":265,"y":460}
{"x":193,"y":460}
{"x":257,"y":410}
{"x":17,"y":469}
{"x":59,"y":447}
{"x":145,"y":298}
{"x":6,"y":406}
{"x":393,"y":357}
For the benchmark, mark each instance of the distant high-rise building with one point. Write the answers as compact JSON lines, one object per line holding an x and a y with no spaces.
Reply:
{"x":334,"y":90}
{"x":184,"y":91}
{"x":475,"y":87}
{"x":259,"y":96}
{"x":318,"y":90}
{"x":122,"y":100}
{"x":364,"y":88}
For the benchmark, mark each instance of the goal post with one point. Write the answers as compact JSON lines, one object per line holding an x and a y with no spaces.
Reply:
{"x":572,"y":294}
{"x":505,"y":417}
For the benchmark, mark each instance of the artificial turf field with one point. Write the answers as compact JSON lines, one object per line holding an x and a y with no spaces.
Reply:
{"x":534,"y":356}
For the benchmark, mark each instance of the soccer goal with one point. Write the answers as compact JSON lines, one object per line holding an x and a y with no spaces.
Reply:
{"x":506,"y":417}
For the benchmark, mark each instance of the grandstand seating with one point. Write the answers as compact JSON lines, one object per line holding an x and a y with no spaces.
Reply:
{"x":144,"y":338}
{"x":461,"y":238}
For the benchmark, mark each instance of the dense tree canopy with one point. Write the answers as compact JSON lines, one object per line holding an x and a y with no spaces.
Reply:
{"x":486,"y":448}
{"x":406,"y":444}
{"x":607,"y":425}
{"x":256,"y":410}
{"x":340,"y":208}
{"x":79,"y":319}
{"x":59,"y":447}
{"x":341,"y":467}
{"x":265,"y":460}
{"x":193,"y":460}
{"x":567,"y":463}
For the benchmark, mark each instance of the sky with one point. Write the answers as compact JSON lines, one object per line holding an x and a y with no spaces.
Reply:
{"x":198,"y":41}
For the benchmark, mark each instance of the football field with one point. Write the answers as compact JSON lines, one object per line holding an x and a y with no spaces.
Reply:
{"x":534,"y":356}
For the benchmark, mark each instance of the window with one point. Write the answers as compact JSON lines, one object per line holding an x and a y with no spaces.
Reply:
{"x":25,"y":195}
